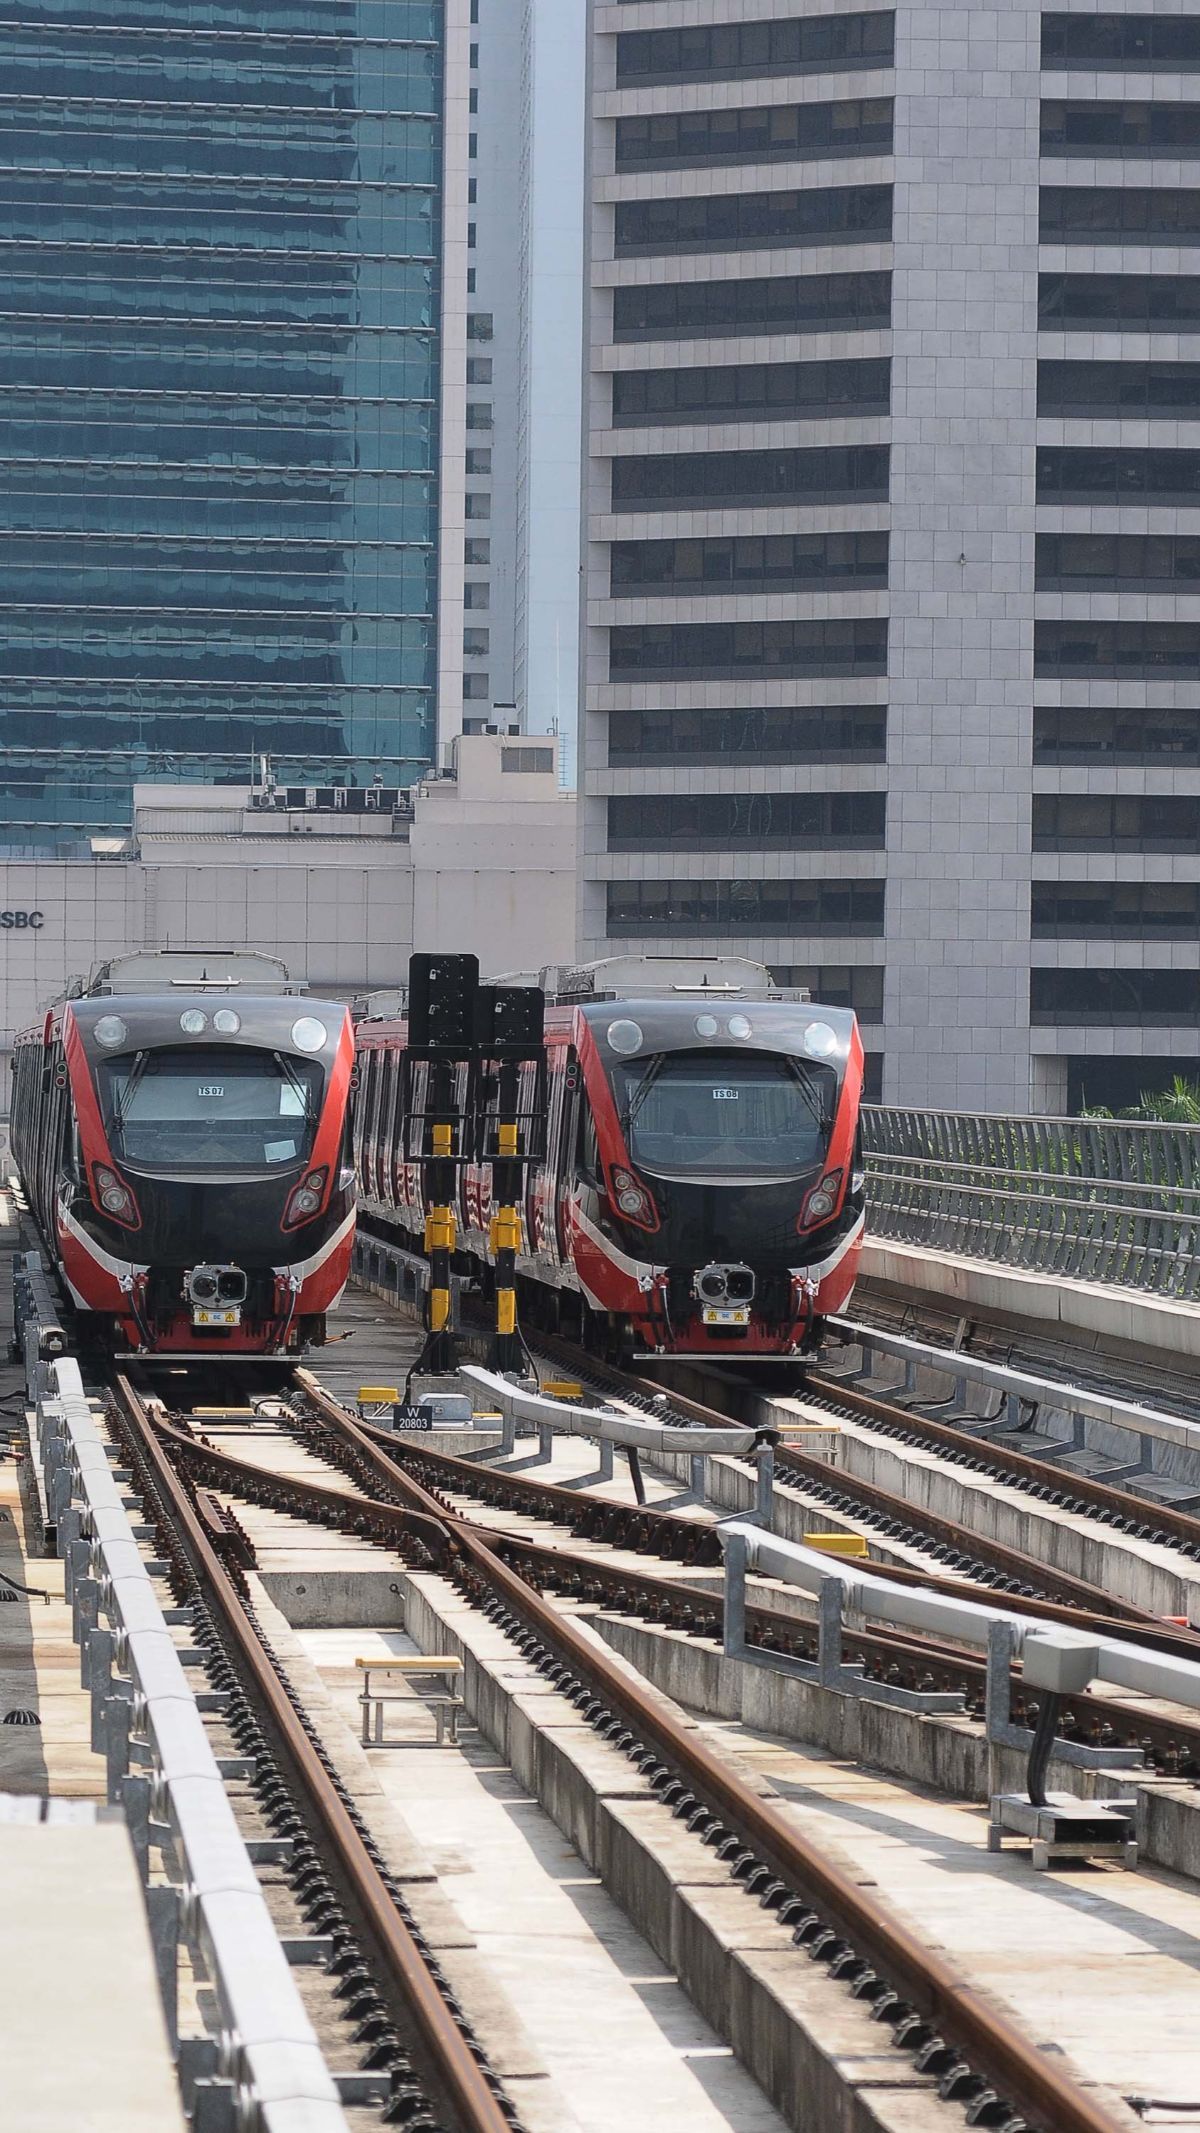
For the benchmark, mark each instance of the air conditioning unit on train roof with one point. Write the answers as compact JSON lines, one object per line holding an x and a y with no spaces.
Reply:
{"x":665,"y":976}
{"x":192,"y":969}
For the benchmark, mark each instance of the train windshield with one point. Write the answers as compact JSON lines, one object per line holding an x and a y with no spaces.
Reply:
{"x":210,"y":1109}
{"x":726,"y":1114}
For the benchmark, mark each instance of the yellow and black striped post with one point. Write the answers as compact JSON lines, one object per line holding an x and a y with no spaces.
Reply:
{"x":441,"y":1227}
{"x":504,"y":1234}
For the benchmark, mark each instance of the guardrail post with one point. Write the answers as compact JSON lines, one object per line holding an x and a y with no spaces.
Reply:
{"x":699,"y":1469}
{"x":829,"y":1632}
{"x":101,"y":1650}
{"x":117,"y":1716}
{"x":764,"y":1482}
{"x":135,"y":1799}
{"x":163,"y":1911}
{"x":1001,"y":1646}
{"x":85,"y":1611}
{"x":734,"y":1631}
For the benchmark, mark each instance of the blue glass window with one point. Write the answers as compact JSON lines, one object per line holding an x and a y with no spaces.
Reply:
{"x":220,"y":235}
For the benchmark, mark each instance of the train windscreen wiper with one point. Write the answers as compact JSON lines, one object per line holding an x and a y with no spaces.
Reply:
{"x":654,"y":1068}
{"x":301,"y":1088}
{"x":123,"y":1097}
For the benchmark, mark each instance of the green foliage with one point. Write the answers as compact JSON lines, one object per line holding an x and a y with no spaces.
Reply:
{"x":1177,"y":1106}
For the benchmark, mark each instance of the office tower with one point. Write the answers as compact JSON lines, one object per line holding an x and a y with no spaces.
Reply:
{"x":891,"y":639}
{"x":231,"y":383}
{"x":524,"y":365}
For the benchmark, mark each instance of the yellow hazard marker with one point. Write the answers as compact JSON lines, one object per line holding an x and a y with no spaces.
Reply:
{"x":375,"y":1395}
{"x":850,"y":1545}
{"x":562,"y":1389}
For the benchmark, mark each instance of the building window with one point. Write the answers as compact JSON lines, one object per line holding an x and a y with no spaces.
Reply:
{"x":1088,"y":129}
{"x":1166,"y":390}
{"x":479,"y":325}
{"x":1115,"y":997}
{"x":1134,"y":562}
{"x":730,"y":392}
{"x":1113,"y":910}
{"x":477,"y":688}
{"x":479,"y":370}
{"x":470,"y":281}
{"x":479,"y":459}
{"x":1108,"y":734}
{"x":783,"y":733}
{"x":475,"y":643}
{"x":1114,"y":651}
{"x":1113,"y":474}
{"x":816,"y":44}
{"x":697,"y":822}
{"x":1119,"y":43}
{"x":1101,"y":822}
{"x":708,"y":908}
{"x":721,"y":651}
{"x":1119,"y":303}
{"x":855,"y":985}
{"x":527,"y":759}
{"x":477,"y":551}
{"x":671,"y":140}
{"x":1117,"y":214}
{"x":848,"y":214}
{"x":791,"y":303}
{"x":479,"y":417}
{"x":819,"y":474}
{"x":478,"y":504}
{"x":724,"y":564}
{"x":477,"y":596}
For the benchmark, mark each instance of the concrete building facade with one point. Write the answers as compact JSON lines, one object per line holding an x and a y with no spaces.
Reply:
{"x":480,"y":859}
{"x":891,"y":628}
{"x":524,"y":392}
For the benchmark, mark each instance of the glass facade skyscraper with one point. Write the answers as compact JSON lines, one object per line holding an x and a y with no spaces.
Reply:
{"x":219,"y":365}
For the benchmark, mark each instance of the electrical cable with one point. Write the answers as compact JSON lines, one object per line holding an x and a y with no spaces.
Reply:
{"x":1043,"y":1742}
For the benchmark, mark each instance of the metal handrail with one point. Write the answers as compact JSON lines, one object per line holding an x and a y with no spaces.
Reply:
{"x":1098,"y":1200}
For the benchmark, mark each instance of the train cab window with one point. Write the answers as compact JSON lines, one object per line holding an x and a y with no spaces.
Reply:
{"x":722,"y":1114}
{"x":210,"y":1109}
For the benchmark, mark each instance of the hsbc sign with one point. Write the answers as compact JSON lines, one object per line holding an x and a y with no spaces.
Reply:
{"x":21,"y":921}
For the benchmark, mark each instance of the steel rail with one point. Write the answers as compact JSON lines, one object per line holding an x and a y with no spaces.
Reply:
{"x":927,"y":1985}
{"x":456,"y":2072}
{"x":1162,"y":1521}
{"x":385,"y":1524}
{"x":390,"y":1524}
{"x":996,"y":1555}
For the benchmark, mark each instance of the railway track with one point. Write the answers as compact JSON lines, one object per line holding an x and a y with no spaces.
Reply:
{"x":976,"y":2055}
{"x":382,"y":1972}
{"x":1171,"y":1746}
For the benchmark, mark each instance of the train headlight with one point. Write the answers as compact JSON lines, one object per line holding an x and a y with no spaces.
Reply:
{"x":821,"y":1201}
{"x":305,"y":1200}
{"x":110,"y":1030}
{"x":114,"y":1196}
{"x":308,"y":1035}
{"x":707,"y":1025}
{"x":739,"y":1026}
{"x":193,"y":1020}
{"x":633,"y":1199}
{"x":227,"y":1021}
{"x":625,"y":1037}
{"x":820,"y":1042}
